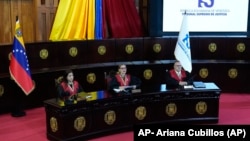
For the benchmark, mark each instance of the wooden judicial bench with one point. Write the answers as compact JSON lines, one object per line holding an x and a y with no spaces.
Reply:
{"x":107,"y":114}
{"x":223,"y":60}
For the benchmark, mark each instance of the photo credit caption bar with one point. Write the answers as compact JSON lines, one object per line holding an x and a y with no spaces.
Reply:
{"x":166,"y":131}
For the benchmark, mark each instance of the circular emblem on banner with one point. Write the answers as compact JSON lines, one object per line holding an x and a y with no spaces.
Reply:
{"x":232,"y":73}
{"x":147,"y":74}
{"x":129,"y":48}
{"x":171,"y":109}
{"x":203,"y":73}
{"x":1,"y":90}
{"x":101,"y":50}
{"x":73,"y":51}
{"x":241,"y":47}
{"x":140,"y":112}
{"x":80,"y":123}
{"x":201,"y":107}
{"x":91,"y":78}
{"x":44,"y":53}
{"x":53,"y":124}
{"x":110,"y":117}
{"x":212,"y":47}
{"x":19,"y":32}
{"x":157,"y":48}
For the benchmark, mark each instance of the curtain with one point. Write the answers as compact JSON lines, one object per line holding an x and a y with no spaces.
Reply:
{"x":98,"y":23}
{"x":122,"y":19}
{"x":95,"y":19}
{"x":74,"y":20}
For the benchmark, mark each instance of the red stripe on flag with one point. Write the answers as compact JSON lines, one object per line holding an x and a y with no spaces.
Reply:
{"x":20,"y":76}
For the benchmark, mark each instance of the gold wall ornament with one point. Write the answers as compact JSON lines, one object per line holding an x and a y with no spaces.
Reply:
{"x":212,"y":47}
{"x":91,"y":78}
{"x":241,"y":47}
{"x":171,"y":109}
{"x":140,"y":112}
{"x":201,"y":107}
{"x":101,"y":50}
{"x":73,"y":51}
{"x":80,"y":123}
{"x":148,"y":74}
{"x":53,"y":124}
{"x":233,"y":73}
{"x":1,"y":90}
{"x":203,"y":73}
{"x":157,"y":48}
{"x":44,"y":53}
{"x":129,"y":48}
{"x":110,"y":117}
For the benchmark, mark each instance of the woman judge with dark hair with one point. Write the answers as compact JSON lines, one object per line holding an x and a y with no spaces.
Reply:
{"x":69,"y":88}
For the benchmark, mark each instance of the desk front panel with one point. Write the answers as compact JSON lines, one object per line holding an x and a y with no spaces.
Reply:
{"x":108,"y":115}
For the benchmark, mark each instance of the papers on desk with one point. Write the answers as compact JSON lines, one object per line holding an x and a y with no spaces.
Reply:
{"x":117,"y":90}
{"x":127,"y":91}
{"x":199,"y":84}
{"x":188,"y":87}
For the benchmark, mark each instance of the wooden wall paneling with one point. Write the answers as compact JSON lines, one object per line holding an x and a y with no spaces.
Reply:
{"x":205,"y":72}
{"x":46,"y":11}
{"x":91,"y":78}
{"x":4,"y":57}
{"x":243,"y":77}
{"x":43,"y":56}
{"x":156,"y":49}
{"x":149,"y":74}
{"x":6,"y":32}
{"x":6,"y":99}
{"x":194,"y":45}
{"x":44,"y":88}
{"x":171,"y":48}
{"x":143,"y":12}
{"x":27,"y":20}
{"x":101,"y":51}
{"x":231,"y":77}
{"x":72,"y":53}
{"x":237,"y":49}
{"x":212,"y":49}
{"x":129,"y":49}
{"x":26,"y":13}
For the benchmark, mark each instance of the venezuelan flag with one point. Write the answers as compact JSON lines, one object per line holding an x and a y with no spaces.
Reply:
{"x":19,"y":65}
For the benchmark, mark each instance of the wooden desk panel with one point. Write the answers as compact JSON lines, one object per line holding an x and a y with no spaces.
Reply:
{"x":129,"y":49}
{"x":108,"y":115}
{"x":100,"y":51}
{"x":237,"y":49}
{"x":43,"y":55}
{"x":211,"y":48}
{"x":156,"y":49}
{"x":71,"y":53}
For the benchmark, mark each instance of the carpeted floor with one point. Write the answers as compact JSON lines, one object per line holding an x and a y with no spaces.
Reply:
{"x":233,"y":109}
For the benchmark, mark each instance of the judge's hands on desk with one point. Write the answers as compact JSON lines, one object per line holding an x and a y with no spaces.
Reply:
{"x":127,"y":87}
{"x":183,"y":83}
{"x":124,"y":88}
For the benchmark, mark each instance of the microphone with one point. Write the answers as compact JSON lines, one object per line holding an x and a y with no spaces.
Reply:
{"x":191,"y":78}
